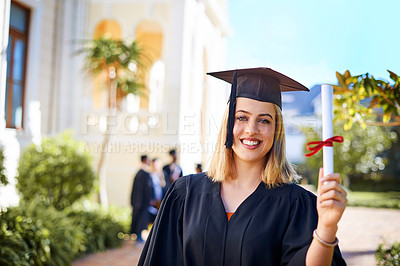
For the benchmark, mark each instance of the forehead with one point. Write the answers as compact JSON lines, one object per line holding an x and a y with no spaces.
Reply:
{"x":254,"y":106}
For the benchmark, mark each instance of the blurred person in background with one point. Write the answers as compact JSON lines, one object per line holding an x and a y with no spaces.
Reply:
{"x":172,"y":171}
{"x":199,"y":168}
{"x":141,"y":198}
{"x":157,"y":176}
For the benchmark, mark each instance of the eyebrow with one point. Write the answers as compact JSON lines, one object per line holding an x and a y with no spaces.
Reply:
{"x":243,"y":111}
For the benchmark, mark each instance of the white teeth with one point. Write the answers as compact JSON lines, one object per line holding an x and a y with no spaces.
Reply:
{"x":251,"y":142}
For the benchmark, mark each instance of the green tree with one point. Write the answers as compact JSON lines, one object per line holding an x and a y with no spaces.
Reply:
{"x":359,"y":154}
{"x":119,"y":61}
{"x":368,"y":101}
{"x":392,"y":171}
{"x":57,"y":172}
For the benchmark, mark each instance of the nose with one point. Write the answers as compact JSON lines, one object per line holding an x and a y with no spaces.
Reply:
{"x":251,"y":127}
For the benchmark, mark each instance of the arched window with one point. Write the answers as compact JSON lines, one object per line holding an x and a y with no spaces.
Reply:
{"x":150,"y":38}
{"x":109,"y":28}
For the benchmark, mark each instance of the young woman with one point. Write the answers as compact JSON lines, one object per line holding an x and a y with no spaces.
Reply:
{"x":247,"y":210}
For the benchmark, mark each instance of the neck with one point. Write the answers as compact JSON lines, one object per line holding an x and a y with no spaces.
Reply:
{"x":144,"y":167}
{"x":248,"y":173}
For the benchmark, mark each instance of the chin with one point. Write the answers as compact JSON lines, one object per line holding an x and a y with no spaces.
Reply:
{"x":249,"y":156}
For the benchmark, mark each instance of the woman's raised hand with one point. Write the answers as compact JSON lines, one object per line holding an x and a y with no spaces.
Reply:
{"x":331,"y":203}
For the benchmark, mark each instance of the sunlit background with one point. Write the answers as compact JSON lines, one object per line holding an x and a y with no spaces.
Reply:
{"x":311,"y":40}
{"x":49,"y":84}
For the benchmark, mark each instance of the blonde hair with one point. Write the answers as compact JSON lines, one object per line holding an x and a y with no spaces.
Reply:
{"x":277,"y":169}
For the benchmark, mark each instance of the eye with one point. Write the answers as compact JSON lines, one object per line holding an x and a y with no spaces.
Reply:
{"x":264,"y":121}
{"x":241,"y":118}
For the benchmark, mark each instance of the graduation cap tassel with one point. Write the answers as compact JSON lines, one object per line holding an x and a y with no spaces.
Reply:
{"x":231,"y":116}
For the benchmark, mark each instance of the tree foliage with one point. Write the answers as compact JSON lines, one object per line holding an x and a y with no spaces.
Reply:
{"x":3,"y":178}
{"x":58,"y":172}
{"x":360,"y":153}
{"x":119,"y":61}
{"x":368,"y":101}
{"x":393,"y":156}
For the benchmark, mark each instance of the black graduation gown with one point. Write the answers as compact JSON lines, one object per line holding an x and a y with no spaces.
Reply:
{"x":271,"y":227}
{"x":142,"y":194}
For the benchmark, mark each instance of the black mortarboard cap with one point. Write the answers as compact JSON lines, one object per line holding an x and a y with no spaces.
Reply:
{"x":261,"y":84}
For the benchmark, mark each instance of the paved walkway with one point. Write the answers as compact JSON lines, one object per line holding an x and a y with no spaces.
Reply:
{"x":360,"y":232}
{"x":128,"y":254}
{"x":362,"y":229}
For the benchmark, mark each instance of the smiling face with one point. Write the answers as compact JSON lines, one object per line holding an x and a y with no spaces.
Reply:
{"x":254,"y":130}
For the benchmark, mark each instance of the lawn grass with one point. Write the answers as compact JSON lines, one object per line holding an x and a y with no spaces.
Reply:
{"x":374,"y":199}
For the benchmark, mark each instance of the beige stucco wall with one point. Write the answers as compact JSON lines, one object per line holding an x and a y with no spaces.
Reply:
{"x":51,"y":91}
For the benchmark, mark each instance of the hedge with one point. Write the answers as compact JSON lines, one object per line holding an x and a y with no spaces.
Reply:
{"x":388,"y":254}
{"x":32,"y":234}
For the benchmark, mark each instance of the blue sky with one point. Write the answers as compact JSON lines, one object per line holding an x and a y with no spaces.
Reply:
{"x":309,"y":40}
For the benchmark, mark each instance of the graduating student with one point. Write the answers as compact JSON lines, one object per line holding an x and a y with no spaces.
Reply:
{"x":157,"y":177}
{"x":247,"y":210}
{"x":172,"y":171}
{"x":141,"y":197}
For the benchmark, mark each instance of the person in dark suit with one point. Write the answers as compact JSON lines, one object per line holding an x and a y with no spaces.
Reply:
{"x":199,"y":168}
{"x":172,"y":171}
{"x":141,"y":198}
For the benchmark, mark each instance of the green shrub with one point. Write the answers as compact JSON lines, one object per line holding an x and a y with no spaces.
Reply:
{"x":368,"y":185}
{"x":3,"y":178}
{"x":15,"y":246}
{"x":58,"y":172}
{"x":104,"y":227}
{"x":374,"y":199}
{"x":34,"y":234}
{"x":101,"y":231}
{"x":122,"y":215}
{"x":38,"y":235}
{"x":388,"y":255}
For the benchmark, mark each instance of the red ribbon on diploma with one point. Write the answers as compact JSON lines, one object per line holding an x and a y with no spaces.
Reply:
{"x":315,"y":146}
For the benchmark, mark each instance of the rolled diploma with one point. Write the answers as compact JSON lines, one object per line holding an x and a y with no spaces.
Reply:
{"x":327,"y":126}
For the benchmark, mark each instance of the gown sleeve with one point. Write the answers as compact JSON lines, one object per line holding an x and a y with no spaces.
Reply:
{"x":164,"y":244}
{"x":298,"y":235}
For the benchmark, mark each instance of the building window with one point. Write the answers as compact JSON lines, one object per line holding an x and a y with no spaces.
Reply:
{"x":16,"y":65}
{"x":149,"y":36}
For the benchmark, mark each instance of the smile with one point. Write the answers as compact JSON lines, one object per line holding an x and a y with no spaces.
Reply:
{"x":251,"y":143}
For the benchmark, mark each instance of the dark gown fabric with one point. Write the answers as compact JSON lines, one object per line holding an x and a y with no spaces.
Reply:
{"x":270,"y":227}
{"x":142,"y":194}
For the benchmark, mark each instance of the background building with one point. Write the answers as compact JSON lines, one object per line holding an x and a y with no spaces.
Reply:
{"x":43,"y":90}
{"x":297,"y":116}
